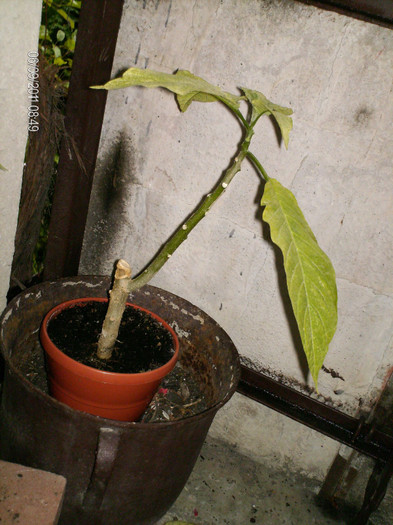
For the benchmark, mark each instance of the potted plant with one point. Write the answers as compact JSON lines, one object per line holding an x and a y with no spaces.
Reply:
{"x":111,"y":372}
{"x":309,"y":273}
{"x":312,"y":290}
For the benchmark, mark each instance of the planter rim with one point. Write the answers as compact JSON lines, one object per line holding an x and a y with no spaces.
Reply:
{"x":94,"y":373}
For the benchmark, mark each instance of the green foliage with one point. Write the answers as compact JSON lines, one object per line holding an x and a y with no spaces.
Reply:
{"x":58,"y":34}
{"x":185,"y":85}
{"x":309,"y":272}
{"x":2,"y":168}
{"x":57,"y":39}
{"x":262,"y":106}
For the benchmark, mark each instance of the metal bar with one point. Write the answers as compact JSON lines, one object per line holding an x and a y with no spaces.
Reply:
{"x":95,"y":48}
{"x":337,"y":425}
{"x":105,"y":457}
{"x":375,"y":490}
{"x":380,"y":12}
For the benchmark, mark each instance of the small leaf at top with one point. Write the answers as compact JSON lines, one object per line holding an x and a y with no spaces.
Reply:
{"x":260,"y":105}
{"x":186,"y":86}
{"x":309,"y":273}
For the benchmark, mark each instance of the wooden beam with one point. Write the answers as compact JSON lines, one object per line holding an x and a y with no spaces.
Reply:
{"x":94,"y":52}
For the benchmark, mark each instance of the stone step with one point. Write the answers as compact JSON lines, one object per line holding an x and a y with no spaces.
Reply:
{"x":29,"y":496}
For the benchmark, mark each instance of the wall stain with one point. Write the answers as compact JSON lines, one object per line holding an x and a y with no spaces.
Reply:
{"x":111,"y":190}
{"x":114,"y":175}
{"x":137,"y":54}
{"x":363,"y":115}
{"x":169,"y":13}
{"x":332,"y":372}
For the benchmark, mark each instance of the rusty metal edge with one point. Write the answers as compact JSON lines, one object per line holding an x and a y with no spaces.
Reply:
{"x":333,"y":423}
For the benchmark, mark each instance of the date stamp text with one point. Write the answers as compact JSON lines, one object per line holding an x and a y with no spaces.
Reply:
{"x":33,"y":91}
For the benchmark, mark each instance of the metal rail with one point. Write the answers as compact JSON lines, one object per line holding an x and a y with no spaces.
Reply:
{"x":355,"y":433}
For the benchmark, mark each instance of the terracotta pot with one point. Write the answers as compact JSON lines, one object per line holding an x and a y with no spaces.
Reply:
{"x":119,"y":396}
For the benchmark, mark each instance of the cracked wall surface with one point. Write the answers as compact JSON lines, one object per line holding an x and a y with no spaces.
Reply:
{"x":335,"y":73}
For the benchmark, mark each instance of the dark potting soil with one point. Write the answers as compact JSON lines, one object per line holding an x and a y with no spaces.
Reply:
{"x":179,"y":396}
{"x":143,"y":342}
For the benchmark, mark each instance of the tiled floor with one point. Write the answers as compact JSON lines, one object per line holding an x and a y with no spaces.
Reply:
{"x":228,"y":488}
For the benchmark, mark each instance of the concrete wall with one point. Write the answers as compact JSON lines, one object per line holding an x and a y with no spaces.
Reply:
{"x":19,"y":27}
{"x":155,"y":164}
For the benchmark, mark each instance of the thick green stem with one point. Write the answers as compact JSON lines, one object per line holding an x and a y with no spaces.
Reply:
{"x":183,"y":231}
{"x":258,"y":165}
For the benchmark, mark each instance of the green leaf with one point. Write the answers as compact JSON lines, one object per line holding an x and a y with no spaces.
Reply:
{"x":59,"y":61}
{"x":2,"y":168}
{"x":309,"y":273}
{"x":62,"y":13}
{"x":69,"y":44}
{"x":60,"y":35}
{"x":44,"y":34}
{"x":260,"y":105}
{"x":186,"y":86}
{"x":56,"y":51}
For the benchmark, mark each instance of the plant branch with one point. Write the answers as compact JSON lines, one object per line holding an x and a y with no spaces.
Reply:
{"x":117,"y":303}
{"x":183,"y":231}
{"x":258,"y":165}
{"x":311,"y":288}
{"x":239,"y":115}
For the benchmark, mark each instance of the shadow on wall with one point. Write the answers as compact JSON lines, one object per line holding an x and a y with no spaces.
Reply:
{"x":114,"y":176}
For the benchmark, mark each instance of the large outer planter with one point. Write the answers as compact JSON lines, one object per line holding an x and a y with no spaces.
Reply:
{"x":117,"y":472}
{"x":123,"y":397}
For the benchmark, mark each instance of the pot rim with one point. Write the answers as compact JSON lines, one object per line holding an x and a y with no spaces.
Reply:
{"x":114,"y":377}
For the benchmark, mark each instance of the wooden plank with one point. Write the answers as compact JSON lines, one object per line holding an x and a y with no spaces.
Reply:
{"x":95,"y":48}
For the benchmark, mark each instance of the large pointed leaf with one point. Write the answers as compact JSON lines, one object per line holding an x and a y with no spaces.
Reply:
{"x":309,"y":272}
{"x":185,"y":85}
{"x":260,"y":105}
